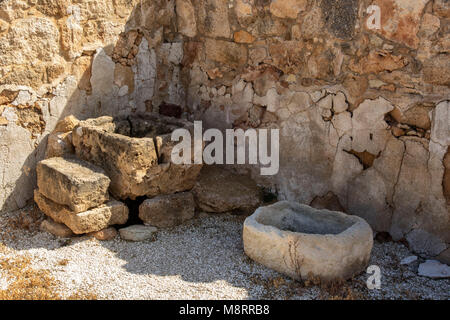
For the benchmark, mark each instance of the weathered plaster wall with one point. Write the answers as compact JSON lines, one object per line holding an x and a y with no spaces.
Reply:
{"x":364,"y":115}
{"x":46,"y":53}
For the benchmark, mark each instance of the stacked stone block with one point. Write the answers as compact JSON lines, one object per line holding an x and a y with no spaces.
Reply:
{"x":75,"y":193}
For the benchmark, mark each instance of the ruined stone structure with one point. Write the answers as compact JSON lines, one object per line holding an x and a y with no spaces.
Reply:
{"x":364,"y":114}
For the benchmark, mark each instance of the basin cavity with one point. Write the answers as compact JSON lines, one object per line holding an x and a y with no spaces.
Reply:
{"x":135,"y":152}
{"x":305,"y":243}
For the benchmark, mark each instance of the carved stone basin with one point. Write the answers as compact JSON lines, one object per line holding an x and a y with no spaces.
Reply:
{"x":304,"y":243}
{"x":135,"y":152}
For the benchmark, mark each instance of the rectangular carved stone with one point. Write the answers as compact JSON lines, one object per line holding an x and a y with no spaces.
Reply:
{"x":136,"y":154}
{"x":72,"y":182}
{"x":111,"y":213}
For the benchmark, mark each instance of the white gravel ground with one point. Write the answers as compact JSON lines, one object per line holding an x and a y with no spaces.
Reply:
{"x":201,"y":260}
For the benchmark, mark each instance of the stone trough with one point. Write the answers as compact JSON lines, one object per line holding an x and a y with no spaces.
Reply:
{"x":304,"y":243}
{"x":126,"y":159}
{"x":135,"y":153}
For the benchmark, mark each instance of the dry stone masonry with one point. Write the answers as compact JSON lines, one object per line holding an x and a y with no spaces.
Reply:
{"x":363,"y":113}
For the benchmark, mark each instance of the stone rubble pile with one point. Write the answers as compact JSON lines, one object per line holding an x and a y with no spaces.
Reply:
{"x":75,"y":193}
{"x":95,"y":164}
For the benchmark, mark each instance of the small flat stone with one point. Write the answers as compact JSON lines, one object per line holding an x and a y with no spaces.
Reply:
{"x":408,"y":260}
{"x":72,"y":182}
{"x":137,"y":233}
{"x":303,"y":242}
{"x":56,"y":229}
{"x":434,"y":269}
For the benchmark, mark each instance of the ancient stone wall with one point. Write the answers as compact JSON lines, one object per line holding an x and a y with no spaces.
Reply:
{"x":46,"y":52}
{"x":363,"y":113}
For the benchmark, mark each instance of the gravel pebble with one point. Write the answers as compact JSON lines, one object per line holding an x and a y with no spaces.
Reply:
{"x":203,"y":259}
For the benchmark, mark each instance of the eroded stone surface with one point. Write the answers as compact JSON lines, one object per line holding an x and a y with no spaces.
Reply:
{"x":130,"y":157}
{"x":59,"y":144}
{"x":72,"y":182}
{"x":111,"y":213}
{"x":56,"y":229}
{"x":105,"y":234}
{"x":303,"y":242}
{"x":400,"y":20}
{"x":287,"y":8}
{"x":137,"y":233}
{"x":434,"y":269}
{"x":167,"y":210}
{"x":93,"y":58}
{"x":186,"y":18}
{"x":219,"y":190}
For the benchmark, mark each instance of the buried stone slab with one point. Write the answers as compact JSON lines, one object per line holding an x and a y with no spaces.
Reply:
{"x":138,"y":233}
{"x":303,"y":242}
{"x":72,"y":182}
{"x":167,"y":210}
{"x":105,"y":234}
{"x":218,"y":190}
{"x":434,"y":269}
{"x":135,"y":152}
{"x":110,"y":213}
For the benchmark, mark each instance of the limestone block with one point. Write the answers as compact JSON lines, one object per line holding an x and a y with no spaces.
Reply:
{"x":130,"y":155}
{"x":137,"y":233}
{"x":72,"y":182}
{"x":218,"y":190}
{"x":111,"y":213}
{"x":187,"y":24}
{"x":59,"y":144}
{"x":56,"y":229}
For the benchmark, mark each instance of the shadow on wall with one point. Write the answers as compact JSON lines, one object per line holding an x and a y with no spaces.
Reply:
{"x":118,"y":79}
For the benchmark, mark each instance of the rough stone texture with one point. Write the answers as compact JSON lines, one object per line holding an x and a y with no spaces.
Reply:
{"x":400,"y":20}
{"x":219,"y":190}
{"x":432,"y":70}
{"x":287,"y":8}
{"x":213,"y":18}
{"x":45,"y":49}
{"x":186,"y":18}
{"x":105,"y":234}
{"x":67,"y":124}
{"x":243,"y":37}
{"x":72,"y":182}
{"x":136,"y":158}
{"x":167,"y":210}
{"x":340,"y":16}
{"x":92,"y":58}
{"x":56,"y":229}
{"x":137,"y":233}
{"x":434,"y":269}
{"x":225,"y":52}
{"x":303,"y":242}
{"x":59,"y":144}
{"x":444,"y":257}
{"x":111,"y":213}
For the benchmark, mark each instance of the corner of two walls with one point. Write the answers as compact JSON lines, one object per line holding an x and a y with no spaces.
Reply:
{"x":363,"y":114}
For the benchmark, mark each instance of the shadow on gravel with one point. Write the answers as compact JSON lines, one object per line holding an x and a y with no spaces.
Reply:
{"x":207,"y":249}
